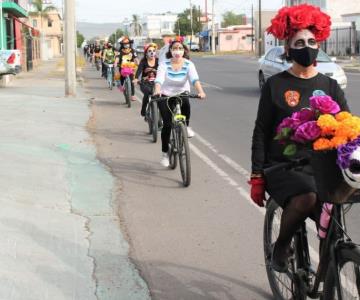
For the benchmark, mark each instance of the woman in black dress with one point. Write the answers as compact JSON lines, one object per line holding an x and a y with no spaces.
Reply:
{"x":302,"y":27}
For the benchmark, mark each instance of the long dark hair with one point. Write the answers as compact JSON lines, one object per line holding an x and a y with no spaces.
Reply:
{"x":186,"y":50}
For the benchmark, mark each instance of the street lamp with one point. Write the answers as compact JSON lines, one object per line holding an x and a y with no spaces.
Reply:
{"x":260,"y":33}
{"x":1,"y":27}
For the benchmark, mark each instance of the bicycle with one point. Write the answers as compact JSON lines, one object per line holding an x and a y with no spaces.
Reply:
{"x":179,"y":144}
{"x":97,"y":62}
{"x":110,"y":75}
{"x":337,"y":250}
{"x":126,"y":71}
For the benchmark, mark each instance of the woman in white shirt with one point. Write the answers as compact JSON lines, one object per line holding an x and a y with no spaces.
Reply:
{"x":173,"y":78}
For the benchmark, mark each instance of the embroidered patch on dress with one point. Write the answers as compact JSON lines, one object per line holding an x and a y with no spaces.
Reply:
{"x":292,"y":98}
{"x":319,"y":93}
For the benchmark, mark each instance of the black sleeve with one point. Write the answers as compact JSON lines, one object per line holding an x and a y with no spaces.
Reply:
{"x":140,"y":68}
{"x":340,"y":97}
{"x":263,"y":129}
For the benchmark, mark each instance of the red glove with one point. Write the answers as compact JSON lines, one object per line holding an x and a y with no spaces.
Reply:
{"x":258,"y":190}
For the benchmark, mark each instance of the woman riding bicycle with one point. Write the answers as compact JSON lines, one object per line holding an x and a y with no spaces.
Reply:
{"x":302,"y":27}
{"x":127,"y":55}
{"x":108,"y":57}
{"x":147,"y":69}
{"x":172,"y":79}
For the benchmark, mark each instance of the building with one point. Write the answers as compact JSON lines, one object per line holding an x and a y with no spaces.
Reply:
{"x":321,"y":3}
{"x":154,"y":25}
{"x":235,"y":38}
{"x":51,"y":29}
{"x":10,"y":24}
{"x":266,"y":16}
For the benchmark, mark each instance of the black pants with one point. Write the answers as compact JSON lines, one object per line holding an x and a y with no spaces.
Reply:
{"x":147,"y":89}
{"x":166,"y":115}
{"x":122,"y":79}
{"x":103,"y":69}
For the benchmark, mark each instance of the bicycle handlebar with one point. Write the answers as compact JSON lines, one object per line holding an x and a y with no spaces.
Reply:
{"x":163,"y":98}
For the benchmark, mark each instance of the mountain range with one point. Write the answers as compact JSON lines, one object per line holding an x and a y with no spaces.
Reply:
{"x":90,"y":30}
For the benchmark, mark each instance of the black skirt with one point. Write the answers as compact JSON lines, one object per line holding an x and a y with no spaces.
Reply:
{"x":286,"y":184}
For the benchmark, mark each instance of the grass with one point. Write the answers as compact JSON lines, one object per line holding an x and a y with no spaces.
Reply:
{"x":80,"y":62}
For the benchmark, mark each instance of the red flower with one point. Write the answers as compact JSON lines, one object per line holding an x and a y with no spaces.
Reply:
{"x":289,"y":20}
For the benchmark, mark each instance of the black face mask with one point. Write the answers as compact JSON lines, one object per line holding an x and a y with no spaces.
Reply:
{"x":305,"y":56}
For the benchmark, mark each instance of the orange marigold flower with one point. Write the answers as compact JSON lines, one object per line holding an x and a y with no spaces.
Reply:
{"x":328,"y":124}
{"x":322,"y":144}
{"x":341,"y":116}
{"x":337,"y":141}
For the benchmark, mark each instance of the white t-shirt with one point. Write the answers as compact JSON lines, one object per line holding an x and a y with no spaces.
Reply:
{"x":162,"y":53}
{"x":176,"y":82}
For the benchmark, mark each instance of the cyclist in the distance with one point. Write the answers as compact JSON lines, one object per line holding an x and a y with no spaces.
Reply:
{"x":108,"y":57}
{"x":147,"y":70}
{"x":127,"y":55}
{"x":172,"y":79}
{"x":302,"y":27}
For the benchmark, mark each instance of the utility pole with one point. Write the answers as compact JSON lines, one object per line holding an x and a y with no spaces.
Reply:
{"x":252,"y":27}
{"x":191,"y":23}
{"x":213,"y":28}
{"x":70,"y":49}
{"x":260,"y":33}
{"x":1,"y":26}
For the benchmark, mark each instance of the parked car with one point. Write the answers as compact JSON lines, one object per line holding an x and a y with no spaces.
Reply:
{"x":273,"y":62}
{"x":194,"y":47}
{"x":10,"y":62}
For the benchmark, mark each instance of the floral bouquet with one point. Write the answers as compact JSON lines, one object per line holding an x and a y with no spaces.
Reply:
{"x":323,"y":127}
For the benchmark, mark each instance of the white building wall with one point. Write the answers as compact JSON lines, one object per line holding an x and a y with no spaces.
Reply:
{"x":157,"y":24}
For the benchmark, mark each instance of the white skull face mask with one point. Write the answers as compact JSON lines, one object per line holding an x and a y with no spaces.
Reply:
{"x":303,"y":38}
{"x":352,"y":173}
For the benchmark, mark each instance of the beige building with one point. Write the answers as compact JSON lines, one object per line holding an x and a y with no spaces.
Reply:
{"x":51,"y":29}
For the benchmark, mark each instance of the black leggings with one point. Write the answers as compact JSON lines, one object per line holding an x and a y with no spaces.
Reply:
{"x":122,"y":79}
{"x":147,"y":89}
{"x":166,"y":115}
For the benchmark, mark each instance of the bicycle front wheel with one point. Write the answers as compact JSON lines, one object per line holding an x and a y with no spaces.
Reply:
{"x":280,"y":283}
{"x":127,"y":91}
{"x":344,"y":282}
{"x":110,"y":79}
{"x":154,"y":118}
{"x":184,"y":155}
{"x":173,"y":150}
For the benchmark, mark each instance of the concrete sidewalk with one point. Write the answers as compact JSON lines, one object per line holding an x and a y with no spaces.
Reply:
{"x":60,"y":232}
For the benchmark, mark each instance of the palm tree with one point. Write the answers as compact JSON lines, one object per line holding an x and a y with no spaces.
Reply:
{"x":136,"y":25}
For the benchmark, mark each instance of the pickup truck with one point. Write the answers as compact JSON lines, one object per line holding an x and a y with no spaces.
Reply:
{"x":10,"y":62}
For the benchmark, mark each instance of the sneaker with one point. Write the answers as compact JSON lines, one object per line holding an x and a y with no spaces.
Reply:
{"x":121,"y":89}
{"x":133,"y":98}
{"x":279,"y":258}
{"x":190,"y":132}
{"x":165,"y":160}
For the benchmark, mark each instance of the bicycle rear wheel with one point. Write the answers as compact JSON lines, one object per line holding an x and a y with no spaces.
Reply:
{"x":280,"y":283}
{"x":154,"y":119}
{"x":184,"y":155}
{"x":347,"y":287}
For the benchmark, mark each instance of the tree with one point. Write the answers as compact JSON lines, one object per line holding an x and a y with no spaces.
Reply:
{"x":79,"y":38}
{"x":183,"y":24}
{"x":230,"y":18}
{"x":136,"y":26}
{"x":115,"y":36}
{"x":41,"y":10}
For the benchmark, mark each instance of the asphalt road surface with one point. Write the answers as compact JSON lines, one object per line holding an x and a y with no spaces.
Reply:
{"x":205,"y":241}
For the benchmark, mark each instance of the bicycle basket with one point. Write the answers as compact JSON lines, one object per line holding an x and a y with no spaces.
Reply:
{"x":126,"y":71}
{"x":330,"y":183}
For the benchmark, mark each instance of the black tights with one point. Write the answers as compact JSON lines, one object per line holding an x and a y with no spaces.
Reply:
{"x":122,"y":80}
{"x":294,"y":214}
{"x":147,"y":89}
{"x":166,"y":115}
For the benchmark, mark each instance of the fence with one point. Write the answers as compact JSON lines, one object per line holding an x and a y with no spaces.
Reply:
{"x":344,"y":41}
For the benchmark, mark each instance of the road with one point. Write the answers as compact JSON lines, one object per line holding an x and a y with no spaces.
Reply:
{"x":205,"y":241}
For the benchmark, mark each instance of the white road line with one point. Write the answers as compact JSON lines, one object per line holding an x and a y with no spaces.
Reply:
{"x":209,"y":85}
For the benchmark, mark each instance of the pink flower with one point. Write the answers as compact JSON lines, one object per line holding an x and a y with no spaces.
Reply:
{"x":325,"y":104}
{"x":296,"y":119}
{"x":307,"y":132}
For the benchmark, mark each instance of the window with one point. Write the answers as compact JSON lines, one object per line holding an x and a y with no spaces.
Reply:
{"x":50,"y":22}
{"x":228,"y":37}
{"x":35,"y":23}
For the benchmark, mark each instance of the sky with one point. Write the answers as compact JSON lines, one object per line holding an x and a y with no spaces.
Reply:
{"x":106,"y":11}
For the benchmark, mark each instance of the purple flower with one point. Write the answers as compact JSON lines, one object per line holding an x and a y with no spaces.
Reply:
{"x":344,"y":152}
{"x":307,"y":132}
{"x":325,"y":104}
{"x":296,"y":119}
